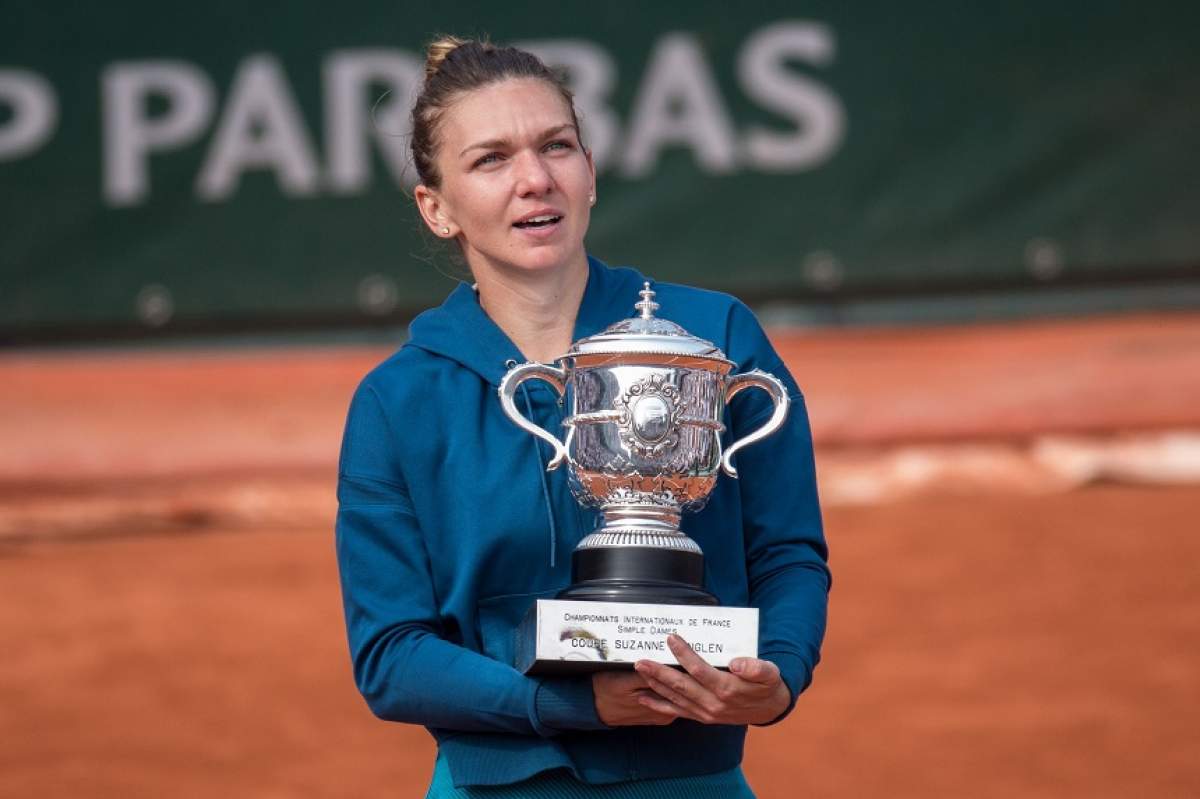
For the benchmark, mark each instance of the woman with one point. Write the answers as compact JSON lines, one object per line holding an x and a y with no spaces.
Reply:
{"x":449,"y":525}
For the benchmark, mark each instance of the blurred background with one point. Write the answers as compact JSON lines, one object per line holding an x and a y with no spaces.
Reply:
{"x":971,"y":232}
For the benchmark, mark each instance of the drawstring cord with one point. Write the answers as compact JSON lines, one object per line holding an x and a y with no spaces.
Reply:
{"x":541,"y":466}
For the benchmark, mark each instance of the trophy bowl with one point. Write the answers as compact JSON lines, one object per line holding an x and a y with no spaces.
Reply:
{"x":643,"y":445}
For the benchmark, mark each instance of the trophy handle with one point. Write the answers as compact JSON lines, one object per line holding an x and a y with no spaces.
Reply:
{"x":756,"y":378}
{"x":508,"y":389}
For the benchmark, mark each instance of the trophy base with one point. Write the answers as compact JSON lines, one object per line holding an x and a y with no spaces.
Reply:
{"x":638,"y":574}
{"x":560,"y":637}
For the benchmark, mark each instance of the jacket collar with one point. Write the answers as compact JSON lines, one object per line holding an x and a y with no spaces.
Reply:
{"x":459,"y":328}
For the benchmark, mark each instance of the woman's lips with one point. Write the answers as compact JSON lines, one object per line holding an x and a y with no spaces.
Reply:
{"x":538,"y":220}
{"x":539,"y":227}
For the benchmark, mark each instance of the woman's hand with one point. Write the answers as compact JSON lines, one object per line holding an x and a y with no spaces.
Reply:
{"x":751,"y":692}
{"x":617,"y":700}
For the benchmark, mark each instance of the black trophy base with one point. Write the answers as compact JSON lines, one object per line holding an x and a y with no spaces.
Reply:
{"x":638,"y":574}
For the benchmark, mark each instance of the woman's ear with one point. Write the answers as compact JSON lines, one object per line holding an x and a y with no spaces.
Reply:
{"x":433,"y":211}
{"x":591,"y":169}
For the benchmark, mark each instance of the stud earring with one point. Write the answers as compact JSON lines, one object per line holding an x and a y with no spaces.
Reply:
{"x":591,"y":199}
{"x":445,"y":230}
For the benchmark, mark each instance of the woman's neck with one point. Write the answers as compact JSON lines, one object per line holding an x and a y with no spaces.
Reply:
{"x":536,"y":310}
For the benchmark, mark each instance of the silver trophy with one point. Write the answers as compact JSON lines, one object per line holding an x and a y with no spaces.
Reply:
{"x":643,"y":444}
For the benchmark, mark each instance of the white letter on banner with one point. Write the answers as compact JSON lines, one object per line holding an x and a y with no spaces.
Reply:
{"x":820,"y":120}
{"x":679,"y":103}
{"x":131,"y":132}
{"x":34,"y":112}
{"x":591,"y":75}
{"x":349,"y":123}
{"x":261,"y":128}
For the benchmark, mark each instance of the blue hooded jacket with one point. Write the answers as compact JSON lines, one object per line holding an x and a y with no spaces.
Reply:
{"x":449,"y":527}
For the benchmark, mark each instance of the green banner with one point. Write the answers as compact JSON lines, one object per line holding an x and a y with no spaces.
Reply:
{"x":223,"y":165}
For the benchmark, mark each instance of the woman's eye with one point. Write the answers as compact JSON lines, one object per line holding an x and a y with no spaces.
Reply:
{"x":559,"y":144}
{"x":487,"y":159}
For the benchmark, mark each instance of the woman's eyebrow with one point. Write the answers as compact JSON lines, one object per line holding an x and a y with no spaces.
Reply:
{"x":500,"y":144}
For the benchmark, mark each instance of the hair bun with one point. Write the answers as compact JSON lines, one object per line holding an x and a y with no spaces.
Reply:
{"x":437,"y":52}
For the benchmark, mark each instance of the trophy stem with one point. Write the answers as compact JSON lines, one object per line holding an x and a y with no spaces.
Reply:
{"x":620,"y":516}
{"x":639,"y":554}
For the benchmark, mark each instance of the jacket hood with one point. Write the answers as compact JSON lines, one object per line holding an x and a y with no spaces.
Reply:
{"x":459,"y":328}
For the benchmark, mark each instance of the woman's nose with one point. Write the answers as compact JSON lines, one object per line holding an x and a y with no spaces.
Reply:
{"x":532,"y":176}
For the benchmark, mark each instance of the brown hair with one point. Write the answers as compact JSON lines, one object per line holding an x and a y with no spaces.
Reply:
{"x":454,"y":66}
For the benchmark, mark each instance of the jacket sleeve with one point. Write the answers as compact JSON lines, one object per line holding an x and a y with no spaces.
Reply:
{"x":786,"y":553}
{"x":403,"y":663}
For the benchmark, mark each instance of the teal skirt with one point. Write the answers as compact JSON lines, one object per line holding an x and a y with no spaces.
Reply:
{"x":559,"y":784}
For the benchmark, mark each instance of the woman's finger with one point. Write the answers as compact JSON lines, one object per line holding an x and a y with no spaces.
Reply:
{"x":698,"y":667}
{"x":763,"y":672}
{"x":661,"y":706}
{"x":680,"y":682}
{"x":674,"y":697}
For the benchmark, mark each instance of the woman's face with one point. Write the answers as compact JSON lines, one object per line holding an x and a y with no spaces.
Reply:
{"x":515,"y":181}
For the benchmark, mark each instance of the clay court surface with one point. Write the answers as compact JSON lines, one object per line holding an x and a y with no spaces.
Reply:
{"x":171,"y":619}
